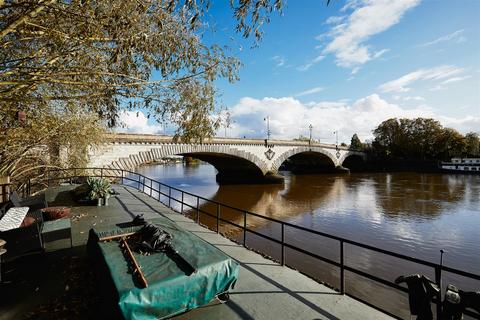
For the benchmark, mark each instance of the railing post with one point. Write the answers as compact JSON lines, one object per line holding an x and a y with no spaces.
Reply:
{"x":342,"y":270}
{"x":198,"y":210}
{"x":218,"y":217}
{"x":282,"y":259}
{"x":438,"y":280}
{"x":181,"y":204}
{"x":169,"y":197}
{"x":244,"y":228}
{"x":101,"y":173}
{"x":139,"y":177}
{"x":160,"y":192}
{"x":151,"y":182}
{"x":122,"y":176}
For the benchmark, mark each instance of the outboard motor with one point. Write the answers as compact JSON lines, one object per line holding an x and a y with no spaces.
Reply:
{"x":421,"y":290}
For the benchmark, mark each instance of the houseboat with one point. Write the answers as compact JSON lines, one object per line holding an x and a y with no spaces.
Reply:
{"x":462,"y":165}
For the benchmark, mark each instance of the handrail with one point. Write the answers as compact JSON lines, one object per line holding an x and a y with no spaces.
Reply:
{"x":142,"y":180}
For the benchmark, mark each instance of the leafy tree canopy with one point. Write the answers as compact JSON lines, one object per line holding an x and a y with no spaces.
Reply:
{"x":100,"y":55}
{"x":422,"y":138}
{"x":355,"y":143}
{"x":72,"y":66}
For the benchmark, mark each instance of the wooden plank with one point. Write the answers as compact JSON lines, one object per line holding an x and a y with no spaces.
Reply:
{"x":137,"y":270}
{"x":117,"y":236}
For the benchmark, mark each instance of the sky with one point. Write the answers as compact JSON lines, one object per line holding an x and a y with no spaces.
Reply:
{"x":347,"y":67}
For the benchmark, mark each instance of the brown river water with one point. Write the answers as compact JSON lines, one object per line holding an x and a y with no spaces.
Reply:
{"x":408,"y":213}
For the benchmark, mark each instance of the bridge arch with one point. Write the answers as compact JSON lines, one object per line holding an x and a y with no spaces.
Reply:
{"x":233,"y":165}
{"x":304,"y":150}
{"x":353,"y":160}
{"x":350,"y":154}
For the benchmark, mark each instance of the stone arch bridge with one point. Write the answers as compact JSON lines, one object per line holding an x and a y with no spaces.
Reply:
{"x":236,"y":160}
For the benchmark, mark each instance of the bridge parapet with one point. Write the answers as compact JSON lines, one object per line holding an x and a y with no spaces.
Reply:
{"x":129,"y":138}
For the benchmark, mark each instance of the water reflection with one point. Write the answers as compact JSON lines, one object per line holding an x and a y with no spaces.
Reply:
{"x":410,"y":213}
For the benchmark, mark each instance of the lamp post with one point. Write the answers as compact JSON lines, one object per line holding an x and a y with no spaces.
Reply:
{"x":310,"y":127}
{"x":267,"y":119}
{"x":336,"y":140}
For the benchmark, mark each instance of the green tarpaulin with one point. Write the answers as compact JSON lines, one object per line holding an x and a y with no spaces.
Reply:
{"x":170,"y":291}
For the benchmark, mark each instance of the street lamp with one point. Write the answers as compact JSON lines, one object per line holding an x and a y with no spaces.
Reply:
{"x":310,"y":127}
{"x":336,"y":140}
{"x":267,"y":119}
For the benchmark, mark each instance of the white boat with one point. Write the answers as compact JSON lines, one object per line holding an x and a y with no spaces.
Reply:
{"x":462,"y":165}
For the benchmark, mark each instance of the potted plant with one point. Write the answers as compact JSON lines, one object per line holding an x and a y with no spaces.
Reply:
{"x":99,"y":190}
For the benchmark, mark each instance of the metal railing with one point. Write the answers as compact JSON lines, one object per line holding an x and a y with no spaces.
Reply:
{"x":147,"y":185}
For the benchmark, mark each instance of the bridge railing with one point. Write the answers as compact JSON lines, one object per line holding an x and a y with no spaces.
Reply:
{"x":175,"y":198}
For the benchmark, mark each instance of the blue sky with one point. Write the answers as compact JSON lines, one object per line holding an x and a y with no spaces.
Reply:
{"x":351,"y":65}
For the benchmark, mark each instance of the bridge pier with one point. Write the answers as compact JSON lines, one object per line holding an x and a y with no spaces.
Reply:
{"x":248,"y":178}
{"x":341,"y":169}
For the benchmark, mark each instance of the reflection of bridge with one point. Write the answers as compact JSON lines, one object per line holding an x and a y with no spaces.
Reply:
{"x":236,"y":160}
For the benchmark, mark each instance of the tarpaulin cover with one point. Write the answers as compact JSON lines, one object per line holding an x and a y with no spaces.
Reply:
{"x":170,"y":291}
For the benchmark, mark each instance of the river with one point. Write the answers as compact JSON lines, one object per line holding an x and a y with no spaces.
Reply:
{"x":409,"y":213}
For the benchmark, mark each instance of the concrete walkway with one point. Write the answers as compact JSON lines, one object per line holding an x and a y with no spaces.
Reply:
{"x":265,"y":290}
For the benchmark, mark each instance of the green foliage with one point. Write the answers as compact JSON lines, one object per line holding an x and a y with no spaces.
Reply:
{"x":98,"y":188}
{"x":301,"y":138}
{"x":50,"y":138}
{"x":422,"y":139}
{"x":100,"y":55}
{"x":73,"y":66}
{"x":472,"y":141}
{"x":355,"y":143}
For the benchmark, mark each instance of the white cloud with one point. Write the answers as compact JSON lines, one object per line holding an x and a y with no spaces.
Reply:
{"x":290,"y":118}
{"x":456,"y":36}
{"x":368,"y":17}
{"x":355,"y":71}
{"x":409,"y":98}
{"x":309,"y":91}
{"x":279,"y":61}
{"x":437,"y":73}
{"x":311,"y":63}
{"x":335,"y":20}
{"x":455,"y":79}
{"x":137,"y":122}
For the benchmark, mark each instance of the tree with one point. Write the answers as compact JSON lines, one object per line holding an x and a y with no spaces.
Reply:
{"x":419,"y":139}
{"x":355,"y":143}
{"x":72,"y":66}
{"x":450,"y":143}
{"x":301,"y":138}
{"x":100,"y":55}
{"x":472,"y":141}
{"x":52,"y":140}
{"x":387,"y":138}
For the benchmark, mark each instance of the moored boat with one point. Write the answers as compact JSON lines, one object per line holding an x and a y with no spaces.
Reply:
{"x":462,"y":165}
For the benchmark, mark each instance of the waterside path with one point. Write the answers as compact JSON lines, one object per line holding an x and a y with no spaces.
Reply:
{"x":265,"y":290}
